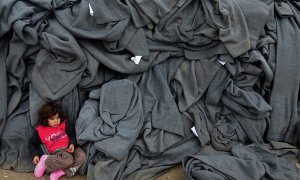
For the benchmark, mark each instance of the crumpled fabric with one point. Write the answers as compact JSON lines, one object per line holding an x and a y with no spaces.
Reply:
{"x":245,"y":162}
{"x":112,"y":118}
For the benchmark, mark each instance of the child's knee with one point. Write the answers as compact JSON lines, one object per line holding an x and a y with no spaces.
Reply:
{"x":80,"y":155}
{"x":298,"y":133}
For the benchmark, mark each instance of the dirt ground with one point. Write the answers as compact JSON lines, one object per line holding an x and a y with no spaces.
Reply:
{"x":12,"y":175}
{"x":175,"y":173}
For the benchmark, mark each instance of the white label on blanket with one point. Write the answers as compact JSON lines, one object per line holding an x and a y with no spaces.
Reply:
{"x":222,"y":62}
{"x":194,"y":131}
{"x":136,"y":59}
{"x":91,"y":10}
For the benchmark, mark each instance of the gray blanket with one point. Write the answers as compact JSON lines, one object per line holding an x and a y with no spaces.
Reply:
{"x":244,"y":162}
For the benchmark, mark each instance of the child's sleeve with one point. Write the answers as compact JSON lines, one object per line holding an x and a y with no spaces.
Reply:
{"x":34,"y":144}
{"x":70,"y":130}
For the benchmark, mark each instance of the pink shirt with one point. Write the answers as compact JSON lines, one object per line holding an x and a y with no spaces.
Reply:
{"x":53,"y":137}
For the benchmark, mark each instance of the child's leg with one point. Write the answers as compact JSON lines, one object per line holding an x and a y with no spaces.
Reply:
{"x":298,"y":134}
{"x":79,"y":158}
{"x":60,"y":160}
{"x":41,"y":166}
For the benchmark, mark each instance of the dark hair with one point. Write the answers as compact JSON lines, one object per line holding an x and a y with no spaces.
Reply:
{"x":49,"y":110}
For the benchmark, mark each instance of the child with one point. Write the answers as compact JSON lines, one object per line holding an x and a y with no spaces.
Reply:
{"x":59,"y":138}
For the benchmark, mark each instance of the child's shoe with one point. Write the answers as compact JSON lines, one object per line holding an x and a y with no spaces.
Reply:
{"x":40,"y":167}
{"x":56,"y":174}
{"x":71,"y":171}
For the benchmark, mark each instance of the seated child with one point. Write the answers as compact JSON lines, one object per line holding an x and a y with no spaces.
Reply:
{"x":59,"y":138}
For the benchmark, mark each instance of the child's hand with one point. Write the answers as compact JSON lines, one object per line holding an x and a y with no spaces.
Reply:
{"x":70,"y":149}
{"x":36,"y":160}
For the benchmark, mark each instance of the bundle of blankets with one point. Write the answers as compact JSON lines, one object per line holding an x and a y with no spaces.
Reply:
{"x":149,"y":84}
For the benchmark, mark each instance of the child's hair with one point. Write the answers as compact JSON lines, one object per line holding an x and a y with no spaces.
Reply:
{"x":49,"y":110}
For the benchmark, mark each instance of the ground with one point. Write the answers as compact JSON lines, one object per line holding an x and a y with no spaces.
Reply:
{"x":175,"y":173}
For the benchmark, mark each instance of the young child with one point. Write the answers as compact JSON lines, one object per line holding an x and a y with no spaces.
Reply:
{"x":59,"y":138}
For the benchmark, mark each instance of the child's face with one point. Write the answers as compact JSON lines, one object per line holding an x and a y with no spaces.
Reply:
{"x":54,"y":121}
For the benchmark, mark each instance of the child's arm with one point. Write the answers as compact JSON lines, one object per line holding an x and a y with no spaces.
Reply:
{"x":70,"y":130}
{"x":34,"y":146}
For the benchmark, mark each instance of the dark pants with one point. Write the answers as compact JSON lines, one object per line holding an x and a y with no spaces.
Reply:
{"x":65,"y":161}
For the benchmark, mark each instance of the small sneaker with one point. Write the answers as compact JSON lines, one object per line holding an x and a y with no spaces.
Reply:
{"x":73,"y":170}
